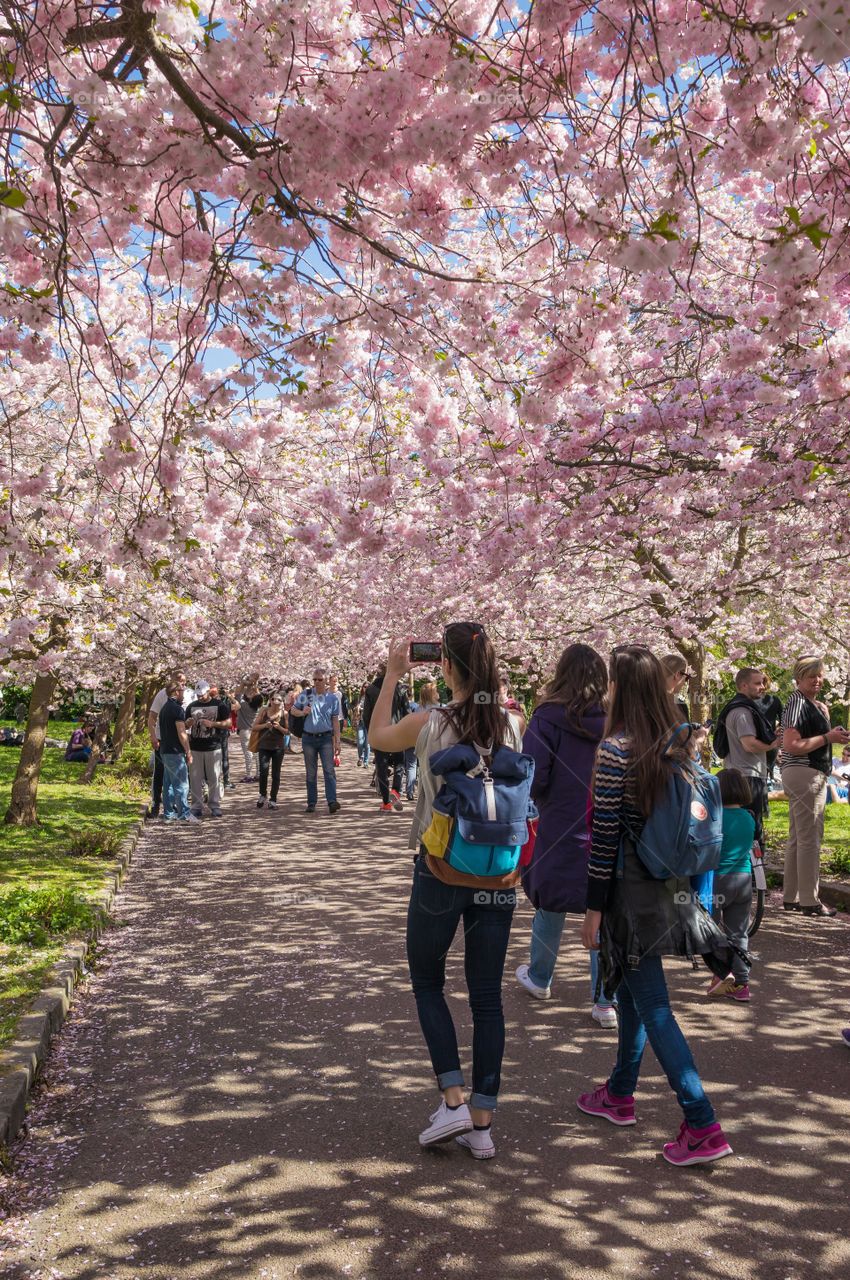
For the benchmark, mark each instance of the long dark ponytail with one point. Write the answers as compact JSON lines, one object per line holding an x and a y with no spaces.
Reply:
{"x":477,"y":716}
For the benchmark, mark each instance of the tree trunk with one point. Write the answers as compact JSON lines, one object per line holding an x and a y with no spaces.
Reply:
{"x":150,"y":688}
{"x":22,"y":809}
{"x":124,"y":719}
{"x":694,"y":653}
{"x":98,"y":738}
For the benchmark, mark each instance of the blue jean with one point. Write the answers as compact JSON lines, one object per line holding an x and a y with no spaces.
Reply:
{"x":645,"y":1014}
{"x":175,"y":785}
{"x":433,"y":915}
{"x":546,"y":930}
{"x":410,"y":771}
{"x":319,"y":746}
{"x":363,"y":749}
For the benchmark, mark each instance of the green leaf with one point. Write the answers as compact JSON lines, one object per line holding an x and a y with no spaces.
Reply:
{"x":661,"y":226}
{"x":191,"y":544}
{"x":440,"y":355}
{"x":793,"y":214}
{"x":815,"y":233}
{"x":11,"y":99}
{"x":12,"y":197}
{"x":813,"y":148}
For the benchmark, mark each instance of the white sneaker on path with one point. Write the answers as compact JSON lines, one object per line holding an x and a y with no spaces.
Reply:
{"x":540,"y":993}
{"x":605,"y":1015}
{"x":446,"y":1124}
{"x":478,"y":1143}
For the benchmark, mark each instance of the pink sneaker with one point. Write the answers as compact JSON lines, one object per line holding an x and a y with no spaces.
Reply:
{"x":741,"y":992}
{"x":603,"y":1103}
{"x":697,"y":1146}
{"x":720,"y":986}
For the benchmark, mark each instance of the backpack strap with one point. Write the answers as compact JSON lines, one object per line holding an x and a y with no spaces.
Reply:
{"x":671,"y":743}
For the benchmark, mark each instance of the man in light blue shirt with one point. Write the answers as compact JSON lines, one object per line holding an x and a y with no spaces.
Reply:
{"x":320,"y":709}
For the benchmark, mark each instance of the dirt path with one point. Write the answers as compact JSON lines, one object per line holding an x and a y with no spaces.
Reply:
{"x":240,"y":1086}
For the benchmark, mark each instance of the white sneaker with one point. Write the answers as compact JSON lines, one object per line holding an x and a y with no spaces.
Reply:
{"x":445,"y":1124}
{"x":478,"y":1143}
{"x":605,"y":1015}
{"x":541,"y":993}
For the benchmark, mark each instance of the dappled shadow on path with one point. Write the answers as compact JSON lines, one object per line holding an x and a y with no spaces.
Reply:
{"x":240,"y":1089}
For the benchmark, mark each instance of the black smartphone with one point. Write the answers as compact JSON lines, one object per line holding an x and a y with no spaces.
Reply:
{"x":426,"y":651}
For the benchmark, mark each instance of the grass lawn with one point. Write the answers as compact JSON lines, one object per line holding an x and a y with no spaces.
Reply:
{"x":835,"y":852}
{"x":37,"y":857}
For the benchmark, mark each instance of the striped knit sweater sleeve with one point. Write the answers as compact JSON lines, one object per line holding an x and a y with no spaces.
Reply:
{"x":609,"y":797}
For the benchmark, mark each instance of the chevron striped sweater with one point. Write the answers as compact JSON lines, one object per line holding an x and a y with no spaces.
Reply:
{"x":613,"y":801}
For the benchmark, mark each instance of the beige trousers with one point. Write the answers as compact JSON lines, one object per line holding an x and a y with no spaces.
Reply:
{"x":806,"y":792}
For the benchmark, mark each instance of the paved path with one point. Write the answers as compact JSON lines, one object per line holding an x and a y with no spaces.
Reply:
{"x":239,"y":1089}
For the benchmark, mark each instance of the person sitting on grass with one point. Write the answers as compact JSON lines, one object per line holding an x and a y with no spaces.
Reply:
{"x":78,"y":750}
{"x":839,"y":779}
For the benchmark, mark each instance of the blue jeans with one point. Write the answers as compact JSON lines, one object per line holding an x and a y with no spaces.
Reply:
{"x":363,"y":749}
{"x":546,"y":932}
{"x":316,"y":746}
{"x":175,"y":785}
{"x":410,"y":771}
{"x":645,"y":1013}
{"x":433,"y":916}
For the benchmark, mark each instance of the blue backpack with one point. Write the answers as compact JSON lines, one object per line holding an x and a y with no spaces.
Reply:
{"x":684,"y":833}
{"x":483,"y":813}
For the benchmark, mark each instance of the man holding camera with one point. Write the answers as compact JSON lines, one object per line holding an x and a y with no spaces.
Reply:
{"x":320,"y":710}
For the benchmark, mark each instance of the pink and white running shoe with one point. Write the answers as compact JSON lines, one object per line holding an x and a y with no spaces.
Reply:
{"x":697,"y":1146}
{"x":602,"y":1103}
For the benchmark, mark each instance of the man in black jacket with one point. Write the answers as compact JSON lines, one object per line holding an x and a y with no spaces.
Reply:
{"x":386,"y":763}
{"x":743,"y":737}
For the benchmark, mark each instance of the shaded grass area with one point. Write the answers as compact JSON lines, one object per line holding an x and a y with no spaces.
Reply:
{"x":59,"y":729}
{"x":37,"y":858}
{"x":835,"y":852}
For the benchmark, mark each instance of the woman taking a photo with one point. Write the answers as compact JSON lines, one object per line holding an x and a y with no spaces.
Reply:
{"x":640,"y":919}
{"x":805,"y":764}
{"x":442,"y":896}
{"x":562,"y":737}
{"x":677,"y":675}
{"x":270,"y":725}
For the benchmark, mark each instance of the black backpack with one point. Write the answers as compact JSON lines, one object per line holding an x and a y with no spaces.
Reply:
{"x":296,"y":723}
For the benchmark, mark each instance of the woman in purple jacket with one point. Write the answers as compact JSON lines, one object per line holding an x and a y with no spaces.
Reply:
{"x":562,"y":736}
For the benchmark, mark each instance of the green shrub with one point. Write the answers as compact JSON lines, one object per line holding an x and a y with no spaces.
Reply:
{"x":34,"y":916}
{"x":94,"y":842}
{"x":134,"y":762}
{"x":836,"y":862}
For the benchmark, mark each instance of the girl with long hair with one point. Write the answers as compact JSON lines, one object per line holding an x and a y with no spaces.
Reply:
{"x":562,"y":736}
{"x":442,"y":896}
{"x":637,"y":919}
{"x":270,"y":725}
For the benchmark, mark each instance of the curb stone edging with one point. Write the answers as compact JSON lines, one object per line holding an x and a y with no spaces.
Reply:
{"x":22,"y":1061}
{"x":836,"y":893}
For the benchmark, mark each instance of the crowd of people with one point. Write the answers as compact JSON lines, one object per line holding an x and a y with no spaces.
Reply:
{"x":598,"y":753}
